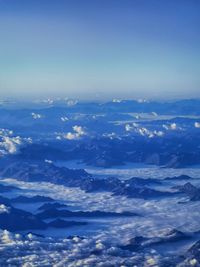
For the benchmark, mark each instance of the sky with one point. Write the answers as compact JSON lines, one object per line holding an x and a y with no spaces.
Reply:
{"x":100,"y":48}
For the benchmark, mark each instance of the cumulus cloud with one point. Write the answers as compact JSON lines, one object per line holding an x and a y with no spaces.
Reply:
{"x":10,"y":144}
{"x":137,"y":117}
{"x":115,"y":100}
{"x":78,"y":133}
{"x":172,"y":127}
{"x":18,"y":250}
{"x":128,"y":127}
{"x":111,"y":136}
{"x":36,"y":116}
{"x":141,"y":100}
{"x":48,"y":161}
{"x":4,"y":209}
{"x":134,"y":127}
{"x":64,"y":119}
{"x":103,"y":247}
{"x":197,"y":124}
{"x":71,"y":102}
{"x":158,"y":133}
{"x":165,"y":127}
{"x":48,"y":101}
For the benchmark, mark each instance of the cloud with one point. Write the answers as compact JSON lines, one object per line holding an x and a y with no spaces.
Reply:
{"x":134,"y":127}
{"x":71,"y":102}
{"x":10,"y":144}
{"x":111,"y":136}
{"x":48,"y":161}
{"x":115,"y":100}
{"x":30,"y":250}
{"x":78,"y":133}
{"x":173,"y":126}
{"x":197,"y":124}
{"x":36,"y":116}
{"x":103,"y":247}
{"x":64,"y":119}
{"x":4,"y":209}
{"x":141,"y":100}
{"x":159,"y":133}
{"x":128,"y":127}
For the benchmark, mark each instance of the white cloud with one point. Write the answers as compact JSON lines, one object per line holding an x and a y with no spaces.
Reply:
{"x":78,"y":133}
{"x":71,"y":102}
{"x":165,"y":127}
{"x":115,"y":100}
{"x":111,"y":136}
{"x":71,"y":136}
{"x":36,"y":116}
{"x":64,"y":119}
{"x":10,"y":144}
{"x":48,"y":161}
{"x":135,"y":124}
{"x":79,"y":130}
{"x":197,"y":124}
{"x":48,"y":101}
{"x":158,"y":217}
{"x":141,"y":100}
{"x":4,"y":209}
{"x":128,"y":127}
{"x":134,"y":127}
{"x":137,"y":117}
{"x":159,"y":133}
{"x":172,"y":126}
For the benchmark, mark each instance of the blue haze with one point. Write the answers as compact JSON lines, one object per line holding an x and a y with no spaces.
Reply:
{"x":99,"y":49}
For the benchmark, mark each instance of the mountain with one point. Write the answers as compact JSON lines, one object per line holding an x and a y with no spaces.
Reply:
{"x":54,"y":213}
{"x":14,"y":219}
{"x":192,"y":191}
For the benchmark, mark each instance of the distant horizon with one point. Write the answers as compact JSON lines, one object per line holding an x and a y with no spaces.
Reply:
{"x":98,"y":97}
{"x":57,"y":99}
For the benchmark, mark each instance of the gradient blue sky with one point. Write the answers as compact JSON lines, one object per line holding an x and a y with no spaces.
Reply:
{"x":100,"y":48}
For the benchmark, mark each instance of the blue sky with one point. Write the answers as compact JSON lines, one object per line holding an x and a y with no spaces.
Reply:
{"x":100,"y":48}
